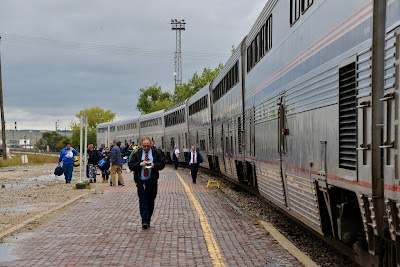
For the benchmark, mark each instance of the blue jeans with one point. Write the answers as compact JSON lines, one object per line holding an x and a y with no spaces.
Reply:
{"x":68,"y":168}
{"x":147,"y":192}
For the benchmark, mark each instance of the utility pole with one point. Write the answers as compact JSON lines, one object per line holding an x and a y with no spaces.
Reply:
{"x":178,"y":26}
{"x":3,"y":123}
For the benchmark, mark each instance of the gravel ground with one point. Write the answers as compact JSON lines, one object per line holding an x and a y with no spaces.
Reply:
{"x":26,"y":191}
{"x":318,"y":250}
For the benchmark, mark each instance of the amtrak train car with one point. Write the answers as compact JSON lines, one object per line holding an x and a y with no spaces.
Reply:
{"x":227,"y":110}
{"x":308,"y":114}
{"x":106,"y":132}
{"x":151,"y":125}
{"x":176,"y":131}
{"x":200,"y":127}
{"x":127,"y":131}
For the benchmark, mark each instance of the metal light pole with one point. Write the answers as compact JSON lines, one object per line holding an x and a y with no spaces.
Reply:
{"x":178,"y":26}
{"x":3,"y":123}
{"x":82,"y":152}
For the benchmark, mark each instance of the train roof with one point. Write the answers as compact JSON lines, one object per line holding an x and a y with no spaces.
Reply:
{"x":152,"y":115}
{"x":175,"y":107}
{"x":118,"y":122}
{"x":199,"y":94}
{"x":260,"y":20}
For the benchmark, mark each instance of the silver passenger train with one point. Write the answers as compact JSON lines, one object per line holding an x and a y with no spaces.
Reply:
{"x":306,"y":110}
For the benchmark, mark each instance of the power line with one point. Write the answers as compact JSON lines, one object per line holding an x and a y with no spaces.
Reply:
{"x":121,"y":50}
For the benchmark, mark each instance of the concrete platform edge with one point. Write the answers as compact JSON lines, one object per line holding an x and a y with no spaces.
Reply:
{"x":286,"y":244}
{"x":38,"y":216}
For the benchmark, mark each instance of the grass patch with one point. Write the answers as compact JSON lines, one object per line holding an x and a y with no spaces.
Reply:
{"x":16,"y":160}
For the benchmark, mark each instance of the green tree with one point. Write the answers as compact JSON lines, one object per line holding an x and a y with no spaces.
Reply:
{"x":197,"y":82}
{"x":54,"y":140}
{"x":95,"y":116}
{"x":152,"y":99}
{"x":233,"y":49}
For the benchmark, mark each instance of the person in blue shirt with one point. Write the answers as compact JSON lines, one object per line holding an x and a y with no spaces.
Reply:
{"x":146,"y":162}
{"x":67,"y":157}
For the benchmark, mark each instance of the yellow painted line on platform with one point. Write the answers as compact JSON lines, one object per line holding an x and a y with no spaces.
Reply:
{"x":286,"y":244}
{"x":212,"y":245}
{"x":36,"y":217}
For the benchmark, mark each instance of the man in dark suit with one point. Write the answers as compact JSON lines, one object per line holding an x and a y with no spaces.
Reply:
{"x":146,"y":162}
{"x":194,"y":160}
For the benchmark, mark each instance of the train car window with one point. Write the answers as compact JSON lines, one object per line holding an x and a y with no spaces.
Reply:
{"x":295,"y":10}
{"x":306,"y":4}
{"x":248,"y":59}
{"x":227,"y":83}
{"x":112,"y":129}
{"x":262,"y":45}
{"x":256,"y":58}
{"x":254,"y":52}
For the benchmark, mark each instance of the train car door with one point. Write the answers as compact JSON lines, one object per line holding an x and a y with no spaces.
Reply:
{"x":282,"y":146}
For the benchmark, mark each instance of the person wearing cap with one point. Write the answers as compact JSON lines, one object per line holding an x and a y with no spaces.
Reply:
{"x":67,"y":157}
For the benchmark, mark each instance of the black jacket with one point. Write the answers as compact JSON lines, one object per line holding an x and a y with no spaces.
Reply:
{"x":93,"y":157}
{"x":158,"y":160}
{"x":105,"y":156}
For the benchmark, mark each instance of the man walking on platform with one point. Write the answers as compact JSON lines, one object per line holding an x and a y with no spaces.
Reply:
{"x":116,"y":164}
{"x":194,"y":159}
{"x":67,"y":157}
{"x":175,"y":156}
{"x":146,"y":163}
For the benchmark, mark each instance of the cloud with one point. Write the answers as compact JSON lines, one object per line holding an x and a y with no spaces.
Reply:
{"x":108,"y":50}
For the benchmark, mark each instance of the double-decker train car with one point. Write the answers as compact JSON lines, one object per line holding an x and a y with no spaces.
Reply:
{"x":227,"y":110}
{"x":320,"y":137}
{"x":127,"y":131}
{"x":106,"y":132}
{"x":199,"y":123}
{"x":176,"y":131}
{"x":151,"y":125}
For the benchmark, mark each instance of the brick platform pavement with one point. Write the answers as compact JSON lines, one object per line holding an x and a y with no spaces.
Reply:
{"x":106,"y":231}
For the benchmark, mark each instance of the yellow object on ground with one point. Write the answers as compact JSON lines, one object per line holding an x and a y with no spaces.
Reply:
{"x":213,"y":183}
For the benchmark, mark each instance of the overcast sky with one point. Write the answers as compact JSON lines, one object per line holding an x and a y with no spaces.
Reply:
{"x":61,"y":56}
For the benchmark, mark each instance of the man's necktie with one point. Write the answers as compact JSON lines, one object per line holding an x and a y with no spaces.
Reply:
{"x":193,"y":158}
{"x":146,"y":171}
